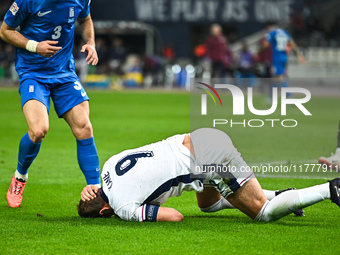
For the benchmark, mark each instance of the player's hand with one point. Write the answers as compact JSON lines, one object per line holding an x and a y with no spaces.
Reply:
{"x":48,"y":49}
{"x":89,"y":192}
{"x":302,"y":60}
{"x":92,"y":57}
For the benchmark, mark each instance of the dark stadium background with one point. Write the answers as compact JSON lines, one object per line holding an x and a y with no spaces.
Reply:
{"x":162,"y":33}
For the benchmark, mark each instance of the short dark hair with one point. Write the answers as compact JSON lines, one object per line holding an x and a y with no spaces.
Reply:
{"x":271,"y":23}
{"x":91,"y":209}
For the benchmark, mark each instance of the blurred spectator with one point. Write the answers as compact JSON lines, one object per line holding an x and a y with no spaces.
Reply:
{"x":133,"y":71}
{"x":2,"y":61}
{"x":334,"y":30}
{"x":306,"y":11}
{"x":245,"y":69}
{"x":216,"y":45}
{"x":117,"y":56}
{"x":198,"y":55}
{"x":200,"y":51}
{"x":4,"y":6}
{"x":7,"y":63}
{"x":230,"y":63}
{"x":263,"y":65}
{"x":82,"y":68}
{"x":153,"y":70}
{"x":264,"y":60}
{"x":297,"y":23}
{"x":102,"y":51}
{"x":169,"y":52}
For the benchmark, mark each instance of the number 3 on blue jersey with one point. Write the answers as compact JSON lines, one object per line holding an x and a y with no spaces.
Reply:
{"x":129,"y":161}
{"x":281,"y":42}
{"x":57,"y":33}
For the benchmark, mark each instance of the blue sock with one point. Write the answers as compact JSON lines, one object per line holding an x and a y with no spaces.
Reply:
{"x":88,"y":160}
{"x":284,"y":84}
{"x":28,"y":151}
{"x":273,"y":85}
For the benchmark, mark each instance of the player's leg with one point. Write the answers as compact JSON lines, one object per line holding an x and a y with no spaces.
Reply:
{"x":334,"y":160}
{"x":88,"y":160}
{"x":216,"y":147}
{"x":279,"y":79}
{"x":36,"y":115}
{"x":283,"y":76}
{"x":213,"y":147}
{"x":35,"y":102}
{"x":71,"y":103}
{"x":240,"y":186}
{"x":210,"y":200}
{"x":79,"y":121}
{"x":250,"y":200}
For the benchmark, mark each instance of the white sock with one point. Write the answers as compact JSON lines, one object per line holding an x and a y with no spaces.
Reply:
{"x":270,"y":194}
{"x":20,"y":176}
{"x":219,"y":205}
{"x":291,"y":201}
{"x":337,"y":151}
{"x":226,"y":204}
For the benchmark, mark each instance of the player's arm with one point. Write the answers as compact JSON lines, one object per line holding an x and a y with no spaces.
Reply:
{"x":169,"y":214}
{"x":152,"y":213}
{"x":45,"y":48}
{"x":88,"y":35}
{"x":295,"y":48}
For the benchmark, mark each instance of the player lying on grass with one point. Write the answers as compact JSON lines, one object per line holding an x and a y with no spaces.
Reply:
{"x":137,"y":181}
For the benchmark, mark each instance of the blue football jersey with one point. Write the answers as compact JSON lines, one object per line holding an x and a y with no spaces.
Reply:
{"x":42,"y":20}
{"x":279,"y":39}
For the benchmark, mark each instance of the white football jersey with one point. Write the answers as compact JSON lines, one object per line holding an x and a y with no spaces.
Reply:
{"x":137,"y":180}
{"x":148,"y":175}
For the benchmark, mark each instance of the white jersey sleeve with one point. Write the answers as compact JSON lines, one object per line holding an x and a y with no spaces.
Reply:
{"x":135,"y":212}
{"x":137,"y":181}
{"x":130,"y":212}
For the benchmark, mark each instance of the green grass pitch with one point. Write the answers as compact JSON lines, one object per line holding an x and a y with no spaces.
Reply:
{"x":47,"y":221}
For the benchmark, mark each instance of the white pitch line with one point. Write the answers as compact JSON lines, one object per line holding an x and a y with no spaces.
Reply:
{"x":259,"y":175}
{"x":285,"y":162}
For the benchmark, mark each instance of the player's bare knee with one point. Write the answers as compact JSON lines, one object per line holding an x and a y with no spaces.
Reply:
{"x":87,"y":129}
{"x":83,"y":131}
{"x":38,"y":134}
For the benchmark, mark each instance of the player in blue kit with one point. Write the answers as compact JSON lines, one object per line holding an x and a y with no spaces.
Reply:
{"x":46,"y":69}
{"x":280,"y":41}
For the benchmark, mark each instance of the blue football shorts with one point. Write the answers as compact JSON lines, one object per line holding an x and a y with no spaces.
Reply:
{"x":280,"y":65}
{"x":65,"y":92}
